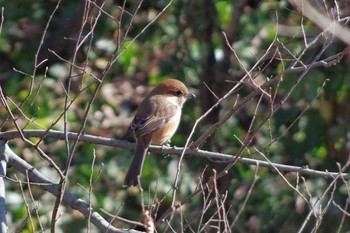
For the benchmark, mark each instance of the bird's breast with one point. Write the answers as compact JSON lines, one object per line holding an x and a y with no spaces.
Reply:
{"x":163,"y":134}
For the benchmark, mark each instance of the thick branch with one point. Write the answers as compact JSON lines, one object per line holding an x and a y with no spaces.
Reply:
{"x":225,"y":158}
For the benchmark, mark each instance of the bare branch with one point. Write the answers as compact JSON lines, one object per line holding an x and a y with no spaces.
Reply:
{"x":328,"y":25}
{"x":19,"y":130}
{"x":219,"y":157}
{"x":325,"y":62}
{"x":69,"y":199}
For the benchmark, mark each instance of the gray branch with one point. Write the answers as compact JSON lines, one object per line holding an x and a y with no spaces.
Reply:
{"x":220,"y":157}
{"x":69,"y":199}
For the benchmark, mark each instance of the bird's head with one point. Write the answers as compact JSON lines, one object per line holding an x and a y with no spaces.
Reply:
{"x":174,"y":89}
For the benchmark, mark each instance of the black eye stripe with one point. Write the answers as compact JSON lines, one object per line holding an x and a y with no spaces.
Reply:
{"x":178,"y":92}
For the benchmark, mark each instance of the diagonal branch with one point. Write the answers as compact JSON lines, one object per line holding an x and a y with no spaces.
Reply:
{"x":69,"y":199}
{"x":321,"y":20}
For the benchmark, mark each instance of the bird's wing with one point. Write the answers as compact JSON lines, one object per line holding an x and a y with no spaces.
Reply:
{"x":150,"y":122}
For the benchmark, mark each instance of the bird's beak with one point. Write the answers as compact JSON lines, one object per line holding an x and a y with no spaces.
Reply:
{"x":190,"y":95}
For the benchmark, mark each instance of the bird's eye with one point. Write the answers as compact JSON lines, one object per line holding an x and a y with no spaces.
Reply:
{"x":178,"y":93}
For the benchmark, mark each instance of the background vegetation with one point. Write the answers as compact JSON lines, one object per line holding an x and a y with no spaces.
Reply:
{"x":84,"y":66}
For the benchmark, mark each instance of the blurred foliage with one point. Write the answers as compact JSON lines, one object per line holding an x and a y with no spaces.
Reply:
{"x":185,"y":42}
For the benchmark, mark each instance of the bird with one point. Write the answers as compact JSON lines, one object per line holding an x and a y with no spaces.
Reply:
{"x":155,"y":122}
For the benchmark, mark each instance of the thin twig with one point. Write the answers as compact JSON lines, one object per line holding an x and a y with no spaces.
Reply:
{"x":70,"y":151}
{"x":250,"y":190}
{"x":90,"y":190}
{"x":19,"y":131}
{"x":29,"y":217}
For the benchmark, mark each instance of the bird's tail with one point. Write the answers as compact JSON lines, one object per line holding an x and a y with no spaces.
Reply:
{"x":132,"y":177}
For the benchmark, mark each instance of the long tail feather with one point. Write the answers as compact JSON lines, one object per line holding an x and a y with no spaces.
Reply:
{"x":132,"y":177}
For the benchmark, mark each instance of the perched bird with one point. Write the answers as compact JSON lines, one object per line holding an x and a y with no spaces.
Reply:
{"x":155,"y":122}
